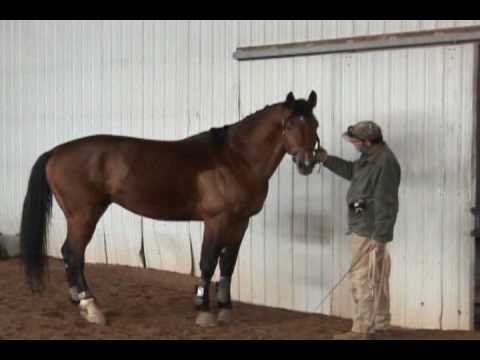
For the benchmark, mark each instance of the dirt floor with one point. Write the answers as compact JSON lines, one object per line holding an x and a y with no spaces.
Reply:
{"x":149,"y":304}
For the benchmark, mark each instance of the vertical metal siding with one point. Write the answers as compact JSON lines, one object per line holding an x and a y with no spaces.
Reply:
{"x":61,"y":80}
{"x":419,"y":97}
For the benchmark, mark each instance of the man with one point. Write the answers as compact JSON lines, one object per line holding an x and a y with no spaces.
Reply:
{"x":373,"y":206}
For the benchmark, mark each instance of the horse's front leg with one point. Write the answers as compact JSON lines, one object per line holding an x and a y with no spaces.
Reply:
{"x":208,"y":263}
{"x":228,"y":259}
{"x":222,"y":238}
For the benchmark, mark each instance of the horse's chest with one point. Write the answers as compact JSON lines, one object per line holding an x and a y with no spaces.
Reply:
{"x":223,"y":192}
{"x":249,"y":200}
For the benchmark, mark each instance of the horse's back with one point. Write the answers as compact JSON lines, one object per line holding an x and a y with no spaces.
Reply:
{"x":111,"y":153}
{"x":96,"y":142}
{"x":154,"y":178}
{"x":131,"y":146}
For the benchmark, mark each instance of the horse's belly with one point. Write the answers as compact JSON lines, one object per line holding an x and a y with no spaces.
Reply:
{"x":160,"y":205}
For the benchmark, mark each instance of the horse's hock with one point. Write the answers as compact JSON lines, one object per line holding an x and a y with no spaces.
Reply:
{"x":9,"y":246}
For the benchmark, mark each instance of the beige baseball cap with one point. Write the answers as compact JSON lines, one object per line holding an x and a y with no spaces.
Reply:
{"x":364,"y":130}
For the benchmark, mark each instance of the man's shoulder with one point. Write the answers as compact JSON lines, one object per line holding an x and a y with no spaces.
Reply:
{"x":388,"y":156}
{"x":389,"y":161}
{"x":386,"y":159}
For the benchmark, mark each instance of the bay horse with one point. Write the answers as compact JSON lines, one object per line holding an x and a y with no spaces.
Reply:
{"x":218,"y":176}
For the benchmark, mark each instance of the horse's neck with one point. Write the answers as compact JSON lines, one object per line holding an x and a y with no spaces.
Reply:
{"x":259,"y":140}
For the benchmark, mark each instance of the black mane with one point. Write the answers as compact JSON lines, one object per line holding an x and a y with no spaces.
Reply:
{"x":219,"y":135}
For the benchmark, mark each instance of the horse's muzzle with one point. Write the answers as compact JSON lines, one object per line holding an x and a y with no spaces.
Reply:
{"x":305,"y":163}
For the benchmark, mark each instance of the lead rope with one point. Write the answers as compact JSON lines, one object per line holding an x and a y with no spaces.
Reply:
{"x":360,"y":256}
{"x":316,"y":151}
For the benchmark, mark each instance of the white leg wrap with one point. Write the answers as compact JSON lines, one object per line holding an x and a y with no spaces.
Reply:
{"x":91,"y":312}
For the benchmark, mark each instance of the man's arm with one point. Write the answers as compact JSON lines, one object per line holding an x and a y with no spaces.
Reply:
{"x":337,"y":165}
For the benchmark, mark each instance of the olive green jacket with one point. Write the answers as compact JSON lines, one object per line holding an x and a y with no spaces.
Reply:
{"x":374,"y":178}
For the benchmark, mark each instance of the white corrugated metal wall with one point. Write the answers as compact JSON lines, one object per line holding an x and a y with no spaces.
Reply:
{"x":167,"y":79}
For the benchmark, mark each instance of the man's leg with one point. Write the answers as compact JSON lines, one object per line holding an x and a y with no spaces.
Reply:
{"x":361,"y":292}
{"x":383,"y":316}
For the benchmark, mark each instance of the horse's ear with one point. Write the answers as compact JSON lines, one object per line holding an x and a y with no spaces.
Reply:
{"x":290,"y":100}
{"x":312,"y":99}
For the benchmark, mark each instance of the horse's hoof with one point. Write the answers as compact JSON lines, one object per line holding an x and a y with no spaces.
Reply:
{"x":205,"y":319}
{"x":91,"y":312}
{"x":225,"y":316}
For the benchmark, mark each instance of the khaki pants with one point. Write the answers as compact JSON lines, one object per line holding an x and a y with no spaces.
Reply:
{"x":370,"y":288}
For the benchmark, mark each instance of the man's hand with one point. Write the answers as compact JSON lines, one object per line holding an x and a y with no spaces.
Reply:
{"x":320,"y":155}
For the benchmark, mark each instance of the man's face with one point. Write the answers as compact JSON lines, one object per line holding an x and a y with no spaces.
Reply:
{"x":359,"y":145}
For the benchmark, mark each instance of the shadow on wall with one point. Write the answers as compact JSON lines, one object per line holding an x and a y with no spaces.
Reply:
{"x":318,"y":228}
{"x":9,"y":246}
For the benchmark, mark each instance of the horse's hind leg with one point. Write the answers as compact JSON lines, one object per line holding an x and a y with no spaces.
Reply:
{"x":81,"y":226}
{"x":69,"y":262}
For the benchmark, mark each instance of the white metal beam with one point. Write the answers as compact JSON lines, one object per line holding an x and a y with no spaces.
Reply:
{"x":361,"y":43}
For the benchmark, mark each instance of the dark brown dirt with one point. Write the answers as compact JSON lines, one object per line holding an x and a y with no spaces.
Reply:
{"x":150,"y":304}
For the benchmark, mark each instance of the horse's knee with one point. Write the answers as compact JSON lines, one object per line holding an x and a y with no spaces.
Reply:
{"x":207,"y":266}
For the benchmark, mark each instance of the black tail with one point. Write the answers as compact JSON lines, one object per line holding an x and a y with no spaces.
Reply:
{"x":37,"y":209}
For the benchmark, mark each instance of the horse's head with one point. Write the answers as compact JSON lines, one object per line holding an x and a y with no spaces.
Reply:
{"x":300,"y":131}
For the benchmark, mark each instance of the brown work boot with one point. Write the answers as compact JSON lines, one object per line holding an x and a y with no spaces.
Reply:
{"x":351,"y":335}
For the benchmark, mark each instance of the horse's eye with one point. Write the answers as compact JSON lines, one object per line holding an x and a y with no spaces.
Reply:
{"x":289,"y":125}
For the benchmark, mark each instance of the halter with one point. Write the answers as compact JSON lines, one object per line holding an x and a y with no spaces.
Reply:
{"x":317,"y":141}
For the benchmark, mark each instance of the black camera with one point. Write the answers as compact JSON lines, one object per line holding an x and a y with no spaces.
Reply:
{"x":358,"y":206}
